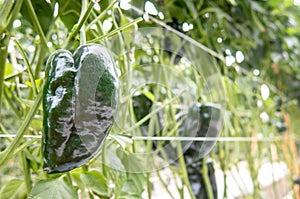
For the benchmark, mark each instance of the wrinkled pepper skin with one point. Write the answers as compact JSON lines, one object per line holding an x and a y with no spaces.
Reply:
{"x":79,"y":101}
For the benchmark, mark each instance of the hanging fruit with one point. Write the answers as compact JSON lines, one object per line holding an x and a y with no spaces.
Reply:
{"x":79,"y":102}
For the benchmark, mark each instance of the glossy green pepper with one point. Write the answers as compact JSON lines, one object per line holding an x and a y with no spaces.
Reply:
{"x":80,"y":99}
{"x":201,"y":120}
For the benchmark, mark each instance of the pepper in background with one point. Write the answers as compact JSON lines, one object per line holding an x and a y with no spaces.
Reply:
{"x":209,"y":125}
{"x":201,"y":120}
{"x":79,"y":102}
{"x":197,"y":181}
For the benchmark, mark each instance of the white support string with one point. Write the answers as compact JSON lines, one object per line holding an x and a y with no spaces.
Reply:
{"x":210,"y":139}
{"x":184,"y":139}
{"x":25,"y":136}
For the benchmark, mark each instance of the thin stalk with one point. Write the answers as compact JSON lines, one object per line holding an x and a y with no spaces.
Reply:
{"x":80,"y":23}
{"x":10,"y":103}
{"x":82,"y":37}
{"x":206,"y":180}
{"x":31,"y":76}
{"x":222,"y":159}
{"x":69,"y":178}
{"x":5,"y":14}
{"x":149,"y":186}
{"x":164,"y":184}
{"x":3,"y":129}
{"x":99,"y":17}
{"x":40,"y":61}
{"x":5,"y":155}
{"x":181,"y":192}
{"x":36,"y":22}
{"x":144,"y":119}
{"x":98,"y":31}
{"x":26,"y":170}
{"x":3,"y":56}
{"x":12,"y":76}
{"x":23,"y":146}
{"x":183,"y":171}
{"x":115,"y":31}
{"x":103,"y":157}
{"x":4,"y":42}
{"x":126,"y":66}
{"x":151,"y":129}
{"x":82,"y":29}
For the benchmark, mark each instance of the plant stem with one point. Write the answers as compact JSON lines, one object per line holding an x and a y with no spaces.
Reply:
{"x":206,"y":180}
{"x":115,"y":31}
{"x":31,"y":76}
{"x":5,"y":14}
{"x":3,"y":129}
{"x":26,"y":170}
{"x":105,"y":173}
{"x":79,"y":25}
{"x":40,"y":61}
{"x":164,"y":184}
{"x":103,"y":13}
{"x":149,"y":187}
{"x":3,"y":56}
{"x":36,"y":22}
{"x":5,"y":155}
{"x":183,"y":171}
{"x":4,"y":43}
{"x":144,"y":119}
{"x":82,"y":29}
{"x":10,"y":103}
{"x":69,"y":178}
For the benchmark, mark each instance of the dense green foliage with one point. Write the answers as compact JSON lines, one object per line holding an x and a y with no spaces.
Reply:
{"x":255,"y":46}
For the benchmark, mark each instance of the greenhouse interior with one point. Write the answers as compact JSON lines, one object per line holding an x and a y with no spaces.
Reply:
{"x":149,"y":99}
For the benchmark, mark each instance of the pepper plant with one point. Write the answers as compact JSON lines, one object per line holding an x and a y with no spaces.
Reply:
{"x":161,"y":93}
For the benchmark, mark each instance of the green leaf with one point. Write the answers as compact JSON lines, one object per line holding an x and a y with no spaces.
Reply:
{"x":69,"y":12}
{"x":192,"y":8}
{"x":123,"y":141}
{"x":96,"y":182}
{"x":14,"y":189}
{"x":149,"y":95}
{"x":130,"y":188}
{"x":104,"y":4}
{"x":274,"y":3}
{"x":43,"y":10}
{"x":56,"y":188}
{"x":76,"y":173}
{"x":232,"y":2}
{"x":76,"y":178}
{"x":8,"y":69}
{"x":132,"y":164}
{"x":38,"y":82}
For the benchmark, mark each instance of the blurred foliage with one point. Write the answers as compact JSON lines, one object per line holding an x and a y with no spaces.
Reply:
{"x":259,"y":41}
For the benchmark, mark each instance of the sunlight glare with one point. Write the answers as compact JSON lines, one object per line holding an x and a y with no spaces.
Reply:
{"x":150,"y":8}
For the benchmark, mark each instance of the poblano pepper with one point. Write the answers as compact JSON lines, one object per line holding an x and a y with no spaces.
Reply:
{"x":79,"y":102}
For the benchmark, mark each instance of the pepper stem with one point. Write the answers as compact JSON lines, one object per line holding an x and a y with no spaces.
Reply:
{"x":82,"y":29}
